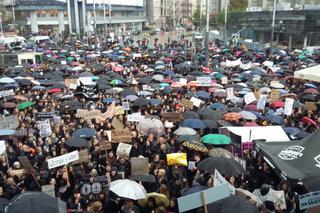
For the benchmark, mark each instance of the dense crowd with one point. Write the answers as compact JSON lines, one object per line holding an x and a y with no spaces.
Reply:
{"x":119,"y":71}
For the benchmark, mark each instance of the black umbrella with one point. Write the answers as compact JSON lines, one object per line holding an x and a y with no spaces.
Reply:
{"x":84,"y":133}
{"x":189,"y":138}
{"x":312,"y":183}
{"x":24,"y":82}
{"x":190,"y":115}
{"x":145,"y":80}
{"x":71,"y":105}
{"x":3,"y":203}
{"x":36,"y":202}
{"x":143,"y":178}
{"x":211,"y":124}
{"x":127,"y":92}
{"x":141,"y":102}
{"x":77,"y":142}
{"x":232,"y":204}
{"x":225,"y":166}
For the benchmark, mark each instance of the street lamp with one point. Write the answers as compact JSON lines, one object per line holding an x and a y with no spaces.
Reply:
{"x":272,"y":25}
{"x":1,"y":29}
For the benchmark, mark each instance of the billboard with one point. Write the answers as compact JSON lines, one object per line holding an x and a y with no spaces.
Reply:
{"x":137,"y":3}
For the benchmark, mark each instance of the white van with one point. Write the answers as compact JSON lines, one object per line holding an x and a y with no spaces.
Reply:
{"x":13,"y":41}
{"x":38,"y":39}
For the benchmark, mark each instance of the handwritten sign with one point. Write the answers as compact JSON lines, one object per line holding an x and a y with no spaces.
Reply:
{"x":204,"y":80}
{"x":123,"y":149}
{"x":88,"y":114}
{"x":105,"y":145}
{"x":309,"y":200}
{"x":288,"y":106}
{"x":6,"y":93}
{"x":274,"y":95}
{"x":249,"y":98}
{"x":117,"y":124}
{"x":126,"y":105}
{"x":310,"y":106}
{"x":135,"y":117}
{"x":139,"y":166}
{"x":2,"y":147}
{"x":83,"y":157}
{"x":171,"y":116}
{"x":195,"y":101}
{"x":230,"y":93}
{"x":262,"y":102}
{"x":44,"y":128}
{"x":9,"y":122}
{"x":63,"y":159}
{"x":218,"y":179}
{"x":186,"y":103}
{"x":121,"y":135}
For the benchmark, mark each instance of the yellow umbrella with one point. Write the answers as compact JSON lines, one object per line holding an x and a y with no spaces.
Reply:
{"x":161,"y":199}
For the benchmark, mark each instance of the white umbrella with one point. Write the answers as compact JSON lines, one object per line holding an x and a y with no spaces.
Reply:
{"x":276,"y":85}
{"x":128,"y":189}
{"x":148,"y":125}
{"x":7,"y":80}
{"x":185,"y":131}
{"x":248,"y":115}
{"x":264,"y":90}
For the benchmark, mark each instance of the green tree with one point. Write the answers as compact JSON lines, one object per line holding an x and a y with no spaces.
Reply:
{"x":196,"y":16}
{"x":237,"y":5}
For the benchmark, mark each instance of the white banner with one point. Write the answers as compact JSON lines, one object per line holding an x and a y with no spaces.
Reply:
{"x":9,"y":122}
{"x":288,"y":106}
{"x":63,"y":159}
{"x":218,"y":179}
{"x":6,"y":93}
{"x":309,"y":200}
{"x":135,"y":117}
{"x":2,"y":147}
{"x":249,"y":98}
{"x":233,"y":63}
{"x":196,"y":102}
{"x":204,"y":80}
{"x":44,"y":128}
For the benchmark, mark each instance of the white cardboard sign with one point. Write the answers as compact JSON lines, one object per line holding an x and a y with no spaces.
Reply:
{"x":63,"y":159}
{"x":196,"y":102}
{"x":249,"y":98}
{"x":309,"y":200}
{"x":2,"y":147}
{"x":218,"y":179}
{"x":288,"y":106}
{"x":124,"y":149}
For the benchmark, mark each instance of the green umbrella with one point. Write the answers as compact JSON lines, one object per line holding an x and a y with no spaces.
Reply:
{"x":121,"y":57}
{"x":216,"y":139}
{"x":95,"y":78}
{"x":219,"y":76}
{"x":70,"y":58}
{"x":164,"y":84}
{"x":24,"y":105}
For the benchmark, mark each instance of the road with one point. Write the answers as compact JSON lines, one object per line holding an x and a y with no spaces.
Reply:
{"x":163,"y":36}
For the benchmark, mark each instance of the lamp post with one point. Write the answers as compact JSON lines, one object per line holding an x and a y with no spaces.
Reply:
{"x":272,"y":25}
{"x":225,"y":21}
{"x":1,"y":29}
{"x":207,"y":35}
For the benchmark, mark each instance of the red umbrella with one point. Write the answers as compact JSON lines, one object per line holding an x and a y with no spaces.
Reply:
{"x":168,"y":59}
{"x":177,"y":85}
{"x":167,"y":80}
{"x":9,"y":105}
{"x":251,"y":107}
{"x":117,"y":68}
{"x":192,"y":84}
{"x":206,"y":70}
{"x":251,"y":123}
{"x":311,"y":91}
{"x":54,"y":90}
{"x":74,"y":64}
{"x":232,"y":116}
{"x":277,"y":104}
{"x":309,"y":121}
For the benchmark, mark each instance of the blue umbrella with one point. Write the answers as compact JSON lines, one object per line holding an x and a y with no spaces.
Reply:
{"x":155,"y":102}
{"x":168,"y":72}
{"x":291,"y":130}
{"x":203,"y":94}
{"x":276,"y":119}
{"x":310,"y":85}
{"x":131,"y":98}
{"x":108,"y":100}
{"x":84,"y":133}
{"x":219,"y":106}
{"x":7,"y":80}
{"x":258,"y":115}
{"x":38,"y":88}
{"x":159,"y":67}
{"x":167,"y":90}
{"x":144,"y":93}
{"x":193,"y":123}
{"x":6,"y":132}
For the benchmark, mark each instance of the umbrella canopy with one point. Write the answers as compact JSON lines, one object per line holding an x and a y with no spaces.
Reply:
{"x":189,"y":138}
{"x":185,"y":131}
{"x":248,"y":115}
{"x":216,"y":139}
{"x":220,"y":153}
{"x":36,"y":202}
{"x":24,"y":105}
{"x":196,"y":146}
{"x":148,"y":125}
{"x":141,"y":102}
{"x":232,"y":204}
{"x":143,"y":178}
{"x":312,"y":183}
{"x":84,"y":133}
{"x":232,"y":116}
{"x":7,"y":80}
{"x":161,"y":199}
{"x":193,"y":123}
{"x":77,"y":142}
{"x":225,"y":166}
{"x":128,"y":189}
{"x":4,"y":132}
{"x":190,"y":115}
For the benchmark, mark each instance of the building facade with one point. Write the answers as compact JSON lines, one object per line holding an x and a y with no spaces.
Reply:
{"x":78,"y":16}
{"x":160,"y":12}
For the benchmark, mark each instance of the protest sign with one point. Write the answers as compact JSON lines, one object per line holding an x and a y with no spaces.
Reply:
{"x":309,"y":200}
{"x":25,"y":164}
{"x":17,"y":172}
{"x":126,"y":105}
{"x":123,"y":149}
{"x":191,"y":165}
{"x":310,"y":106}
{"x":135,"y":117}
{"x":105,"y":145}
{"x":48,"y":189}
{"x":249,"y":98}
{"x":63,"y":159}
{"x":2,"y":147}
{"x":86,"y":80}
{"x":202,"y":198}
{"x":44,"y":128}
{"x":88,"y":114}
{"x":218,"y":180}
{"x":186,"y":103}
{"x":177,"y":159}
{"x":288,"y":106}
{"x":6,"y":93}
{"x":224,"y":80}
{"x":183,"y":81}
{"x":83,"y":157}
{"x":121,"y":135}
{"x":139,"y":166}
{"x":274,"y":95}
{"x":280,"y":200}
{"x":233,"y":63}
{"x":103,"y":179}
{"x":70,"y":81}
{"x":171,"y":116}
{"x":86,"y":189}
{"x":9,"y":122}
{"x":168,"y":124}
{"x":45,"y":115}
{"x":195,"y":101}
{"x":118,"y":110}
{"x":204,"y":80}
{"x":262,"y":102}
{"x":64,"y":62}
{"x":96,"y":188}
{"x":230,"y":92}
{"x":117,"y":124}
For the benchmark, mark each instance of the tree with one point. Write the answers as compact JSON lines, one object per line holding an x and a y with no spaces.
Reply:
{"x":197,"y":19}
{"x":237,"y":5}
